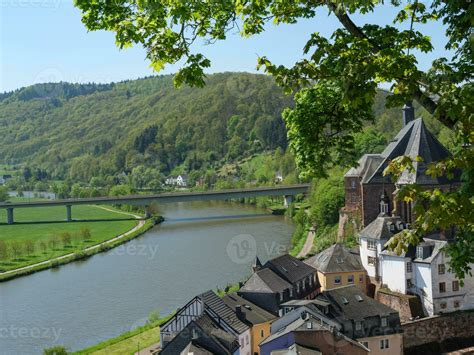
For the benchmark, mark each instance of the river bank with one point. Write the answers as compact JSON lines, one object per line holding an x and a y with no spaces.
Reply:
{"x":191,"y":252}
{"x":141,"y":227}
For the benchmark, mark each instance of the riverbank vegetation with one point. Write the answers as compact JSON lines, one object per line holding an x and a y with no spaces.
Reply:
{"x":129,"y":342}
{"x":41,"y":233}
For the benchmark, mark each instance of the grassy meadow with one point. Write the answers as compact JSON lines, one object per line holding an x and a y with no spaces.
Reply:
{"x":41,"y":233}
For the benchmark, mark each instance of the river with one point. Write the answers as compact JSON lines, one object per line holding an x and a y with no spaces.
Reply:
{"x":200,"y":246}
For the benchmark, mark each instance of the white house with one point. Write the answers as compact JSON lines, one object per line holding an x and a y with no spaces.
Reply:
{"x":373,"y":238}
{"x":180,"y":180}
{"x":424,"y":271}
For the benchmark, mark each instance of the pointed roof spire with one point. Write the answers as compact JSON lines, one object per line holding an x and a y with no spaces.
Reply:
{"x":257,"y":264}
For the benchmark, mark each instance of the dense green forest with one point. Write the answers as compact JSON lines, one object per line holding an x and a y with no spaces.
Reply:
{"x":79,"y":132}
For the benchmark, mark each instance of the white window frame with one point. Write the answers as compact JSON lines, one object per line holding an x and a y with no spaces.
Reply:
{"x":371,"y":244}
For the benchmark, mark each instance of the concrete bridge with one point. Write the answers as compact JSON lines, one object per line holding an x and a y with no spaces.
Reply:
{"x":288,"y":192}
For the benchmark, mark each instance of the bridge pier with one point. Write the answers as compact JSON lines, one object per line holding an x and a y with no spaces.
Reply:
{"x":69,"y":213}
{"x":147,"y":212}
{"x":10,"y":218}
{"x":288,"y":200}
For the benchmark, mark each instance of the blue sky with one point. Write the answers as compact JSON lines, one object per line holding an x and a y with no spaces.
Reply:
{"x":44,"y":40}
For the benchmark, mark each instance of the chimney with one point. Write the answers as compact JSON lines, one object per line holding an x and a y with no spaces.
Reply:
{"x":408,"y":113}
{"x":239,"y":313}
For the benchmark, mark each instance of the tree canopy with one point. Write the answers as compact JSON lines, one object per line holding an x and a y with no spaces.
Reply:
{"x":340,"y":72}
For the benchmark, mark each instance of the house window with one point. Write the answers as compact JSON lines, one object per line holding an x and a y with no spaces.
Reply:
{"x":441,"y":269}
{"x":384,"y":344}
{"x":262,"y":333}
{"x":383,"y":207}
{"x":291,"y":292}
{"x":281,"y":296}
{"x":409,"y":283}
{"x":353,"y":184}
{"x":456,"y":304}
{"x":442,"y":287}
{"x":443,"y":305}
{"x":247,"y":339}
{"x":350,"y":279}
{"x":297,"y":287}
{"x":358,"y":325}
{"x":455,"y":285}
{"x":310,"y":280}
{"x":304,"y":284}
{"x":371,"y":260}
{"x":371,"y":244}
{"x":383,"y":321}
{"x":337,"y":280}
{"x":409,"y":267}
{"x":361,"y":279}
{"x":419,"y":252}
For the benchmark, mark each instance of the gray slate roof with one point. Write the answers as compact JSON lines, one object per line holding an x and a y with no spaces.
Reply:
{"x":217,"y":305}
{"x":379,"y":228}
{"x":358,"y":305}
{"x":336,"y":258}
{"x":290,"y":268}
{"x":413,"y":140}
{"x":253,"y":313}
{"x":195,"y":349}
{"x":366,"y":166}
{"x":265,"y":281}
{"x":296,"y":349}
{"x":208,"y":333}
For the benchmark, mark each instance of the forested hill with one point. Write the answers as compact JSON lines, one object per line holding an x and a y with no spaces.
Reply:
{"x":78,"y":131}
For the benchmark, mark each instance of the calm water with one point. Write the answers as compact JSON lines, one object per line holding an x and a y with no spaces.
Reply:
{"x":201,"y":246}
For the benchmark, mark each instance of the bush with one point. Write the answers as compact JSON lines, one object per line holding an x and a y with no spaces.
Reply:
{"x":327,"y":198}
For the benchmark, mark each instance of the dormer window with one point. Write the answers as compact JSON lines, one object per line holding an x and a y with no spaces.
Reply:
{"x":358,"y":325}
{"x":392,"y":227}
{"x":383,"y":322}
{"x":371,"y":244}
{"x":353,"y":183}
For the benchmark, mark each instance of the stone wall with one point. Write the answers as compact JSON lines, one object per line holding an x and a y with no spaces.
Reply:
{"x":408,"y":306}
{"x":438,"y":334}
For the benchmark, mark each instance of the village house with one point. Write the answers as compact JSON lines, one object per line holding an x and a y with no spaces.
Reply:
{"x":178,"y":181}
{"x":313,"y":333}
{"x":202,"y":336}
{"x":278,"y":281}
{"x":372,"y":241}
{"x":210,"y":304}
{"x":337,"y":266}
{"x":364,"y":319}
{"x":423,"y":271}
{"x":255,"y":317}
